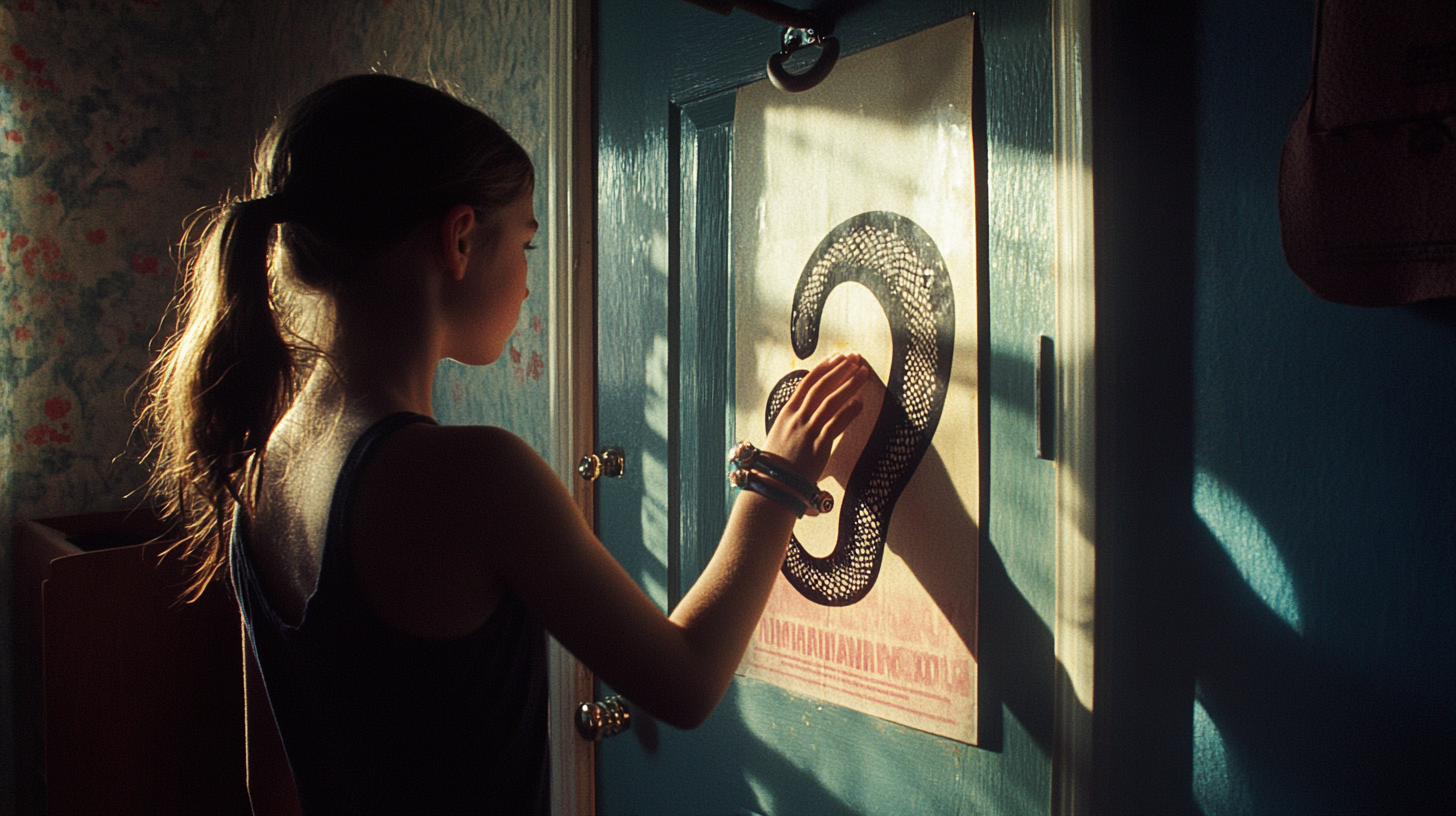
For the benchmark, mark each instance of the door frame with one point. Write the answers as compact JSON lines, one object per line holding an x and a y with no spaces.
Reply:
{"x":572,"y":253}
{"x":1073,"y":630}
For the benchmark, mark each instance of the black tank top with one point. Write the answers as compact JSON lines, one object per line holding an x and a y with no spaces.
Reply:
{"x":377,"y":721}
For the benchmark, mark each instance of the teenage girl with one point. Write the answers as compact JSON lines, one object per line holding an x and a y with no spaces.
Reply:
{"x":396,"y":575}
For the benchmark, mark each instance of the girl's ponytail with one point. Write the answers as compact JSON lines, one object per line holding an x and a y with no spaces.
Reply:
{"x":220,"y":384}
{"x":355,"y":166}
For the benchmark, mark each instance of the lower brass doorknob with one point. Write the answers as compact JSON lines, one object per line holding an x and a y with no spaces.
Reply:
{"x":597,"y":721}
{"x":608,"y":462}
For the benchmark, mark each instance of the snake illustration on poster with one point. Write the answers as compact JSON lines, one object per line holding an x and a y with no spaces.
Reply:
{"x":854,"y":224}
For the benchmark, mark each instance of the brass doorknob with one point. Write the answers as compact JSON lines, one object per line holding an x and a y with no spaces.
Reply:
{"x":597,"y":721}
{"x":608,"y":462}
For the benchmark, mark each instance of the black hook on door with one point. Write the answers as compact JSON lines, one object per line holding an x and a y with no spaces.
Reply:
{"x":802,"y":29}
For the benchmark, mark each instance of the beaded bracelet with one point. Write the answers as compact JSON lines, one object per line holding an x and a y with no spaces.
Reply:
{"x":747,"y":480}
{"x":744,"y":457}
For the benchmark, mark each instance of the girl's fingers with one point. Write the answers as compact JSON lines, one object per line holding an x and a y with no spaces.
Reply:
{"x":843,"y":391}
{"x":823,"y":379}
{"x":812,"y":378}
{"x":820,"y":409}
{"x":842,"y":419}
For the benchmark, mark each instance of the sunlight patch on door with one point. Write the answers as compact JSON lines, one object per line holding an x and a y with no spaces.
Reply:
{"x":656,"y":403}
{"x":653,"y":577}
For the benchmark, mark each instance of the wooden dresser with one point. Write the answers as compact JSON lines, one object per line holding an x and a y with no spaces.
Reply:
{"x":127,"y":700}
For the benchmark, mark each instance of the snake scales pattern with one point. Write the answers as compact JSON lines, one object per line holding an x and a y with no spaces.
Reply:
{"x":896,"y":260}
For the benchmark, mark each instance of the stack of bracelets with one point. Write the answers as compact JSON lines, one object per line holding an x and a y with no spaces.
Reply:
{"x":750,"y":469}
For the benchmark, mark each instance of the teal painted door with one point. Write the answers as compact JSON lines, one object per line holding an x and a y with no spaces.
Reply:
{"x":665,"y":76}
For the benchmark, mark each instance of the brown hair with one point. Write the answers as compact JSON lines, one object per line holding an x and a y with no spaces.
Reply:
{"x":356,"y":165}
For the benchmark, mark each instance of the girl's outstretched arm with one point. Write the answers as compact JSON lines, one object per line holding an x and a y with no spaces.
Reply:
{"x":675,"y":667}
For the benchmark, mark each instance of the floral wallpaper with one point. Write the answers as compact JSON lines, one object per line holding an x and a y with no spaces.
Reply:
{"x":104,"y":154}
{"x":119,"y":119}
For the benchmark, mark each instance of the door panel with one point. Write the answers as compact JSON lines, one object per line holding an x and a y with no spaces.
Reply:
{"x":665,"y":75}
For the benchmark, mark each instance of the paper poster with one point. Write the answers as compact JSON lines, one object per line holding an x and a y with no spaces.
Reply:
{"x":854,"y":226}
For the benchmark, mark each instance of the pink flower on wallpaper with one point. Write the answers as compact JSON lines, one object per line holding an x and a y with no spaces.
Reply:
{"x":35,"y":65}
{"x":48,"y":198}
{"x":41,"y":434}
{"x":23,"y":333}
{"x":536,"y":367}
{"x":48,"y":251}
{"x":25,"y":5}
{"x":42,"y":83}
{"x":57,"y":407}
{"x":96,"y":236}
{"x":26,"y":104}
{"x":515,"y":355}
{"x":14,"y":136}
{"x":144,"y":264}
{"x":19,"y":242}
{"x":536,"y":324}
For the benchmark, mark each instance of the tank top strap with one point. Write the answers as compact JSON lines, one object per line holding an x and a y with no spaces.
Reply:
{"x":335,"y":562}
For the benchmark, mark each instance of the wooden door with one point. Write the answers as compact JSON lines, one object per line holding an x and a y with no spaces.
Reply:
{"x":665,"y":76}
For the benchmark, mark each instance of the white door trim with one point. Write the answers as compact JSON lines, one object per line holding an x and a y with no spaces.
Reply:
{"x":1073,"y":631}
{"x":572,"y":353}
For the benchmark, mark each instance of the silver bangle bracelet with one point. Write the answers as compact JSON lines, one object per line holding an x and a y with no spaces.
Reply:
{"x":747,"y":480}
{"x":744,"y":456}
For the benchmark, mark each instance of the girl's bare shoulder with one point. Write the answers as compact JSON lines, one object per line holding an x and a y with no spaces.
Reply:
{"x":442,"y":440}
{"x":465,"y":462}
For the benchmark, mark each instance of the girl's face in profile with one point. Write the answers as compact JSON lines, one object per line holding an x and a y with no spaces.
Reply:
{"x":498,"y":270}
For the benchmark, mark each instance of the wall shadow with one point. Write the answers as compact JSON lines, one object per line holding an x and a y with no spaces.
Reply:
{"x":1012,"y":645}
{"x":1302,"y":727}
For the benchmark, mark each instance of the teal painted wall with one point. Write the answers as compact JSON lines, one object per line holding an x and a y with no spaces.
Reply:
{"x":119,"y":119}
{"x":1324,"y":483}
{"x":1277,"y":615}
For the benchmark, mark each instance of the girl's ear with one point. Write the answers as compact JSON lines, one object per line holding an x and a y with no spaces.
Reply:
{"x":457,"y":238}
